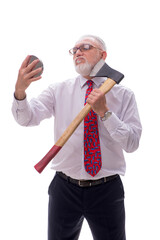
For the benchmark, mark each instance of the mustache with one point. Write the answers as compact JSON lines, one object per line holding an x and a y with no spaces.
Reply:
{"x":79,"y":57}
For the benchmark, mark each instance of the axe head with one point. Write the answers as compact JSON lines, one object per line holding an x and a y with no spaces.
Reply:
{"x":101,"y":69}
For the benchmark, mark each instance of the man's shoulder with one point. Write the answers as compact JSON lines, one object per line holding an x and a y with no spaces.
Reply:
{"x":122,"y":89}
{"x":67,"y":82}
{"x":64,"y":86}
{"x":121,"y":92}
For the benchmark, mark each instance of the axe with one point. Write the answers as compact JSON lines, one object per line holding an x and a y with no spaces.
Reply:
{"x":101,"y":69}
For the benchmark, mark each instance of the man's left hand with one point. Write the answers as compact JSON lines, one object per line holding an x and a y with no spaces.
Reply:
{"x":97,"y":101}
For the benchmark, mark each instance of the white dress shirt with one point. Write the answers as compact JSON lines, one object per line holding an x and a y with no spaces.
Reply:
{"x":121,"y":131}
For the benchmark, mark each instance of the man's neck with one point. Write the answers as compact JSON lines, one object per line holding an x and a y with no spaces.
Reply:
{"x":88,"y":77}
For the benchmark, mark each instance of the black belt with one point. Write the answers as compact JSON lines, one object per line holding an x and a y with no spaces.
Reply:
{"x":87,"y":183}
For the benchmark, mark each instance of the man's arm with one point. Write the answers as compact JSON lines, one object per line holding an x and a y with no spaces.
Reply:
{"x":25,"y":113}
{"x":126,"y":131}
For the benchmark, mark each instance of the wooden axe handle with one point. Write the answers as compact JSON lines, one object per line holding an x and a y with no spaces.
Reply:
{"x":105,"y":87}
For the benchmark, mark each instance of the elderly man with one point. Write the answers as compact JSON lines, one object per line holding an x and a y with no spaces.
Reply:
{"x":87,"y":182}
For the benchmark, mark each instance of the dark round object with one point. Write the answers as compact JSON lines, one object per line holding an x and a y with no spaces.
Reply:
{"x":38,"y":65}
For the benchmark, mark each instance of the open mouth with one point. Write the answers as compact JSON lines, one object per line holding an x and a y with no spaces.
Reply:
{"x":79,"y":60}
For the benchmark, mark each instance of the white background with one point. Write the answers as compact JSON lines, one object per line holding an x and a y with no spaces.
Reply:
{"x":48,"y":29}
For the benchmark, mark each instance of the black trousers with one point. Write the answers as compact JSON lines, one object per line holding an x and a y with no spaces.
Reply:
{"x":102,"y":206}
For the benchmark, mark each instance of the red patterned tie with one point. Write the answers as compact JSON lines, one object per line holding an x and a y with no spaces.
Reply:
{"x":92,"y":152}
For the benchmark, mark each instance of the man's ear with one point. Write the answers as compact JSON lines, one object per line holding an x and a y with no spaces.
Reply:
{"x":104,"y":55}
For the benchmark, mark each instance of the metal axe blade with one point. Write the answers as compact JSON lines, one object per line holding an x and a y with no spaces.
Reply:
{"x":101,"y":69}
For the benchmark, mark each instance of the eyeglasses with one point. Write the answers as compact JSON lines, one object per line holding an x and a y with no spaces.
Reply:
{"x":82,"y":48}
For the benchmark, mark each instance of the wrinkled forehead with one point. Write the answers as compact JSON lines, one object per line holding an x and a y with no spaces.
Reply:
{"x":91,"y":41}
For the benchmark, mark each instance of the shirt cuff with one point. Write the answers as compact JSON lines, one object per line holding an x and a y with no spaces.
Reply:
{"x":112,"y":123}
{"x":20,"y":104}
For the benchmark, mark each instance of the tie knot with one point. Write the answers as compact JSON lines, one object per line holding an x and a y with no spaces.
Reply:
{"x":90,"y":83}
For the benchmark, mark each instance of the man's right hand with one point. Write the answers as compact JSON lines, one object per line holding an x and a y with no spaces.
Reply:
{"x":26,"y":77}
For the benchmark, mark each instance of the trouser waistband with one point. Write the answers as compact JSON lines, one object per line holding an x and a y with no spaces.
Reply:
{"x":87,"y":183}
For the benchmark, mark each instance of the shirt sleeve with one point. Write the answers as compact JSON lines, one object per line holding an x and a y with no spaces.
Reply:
{"x":126,"y":129}
{"x":32,"y":113}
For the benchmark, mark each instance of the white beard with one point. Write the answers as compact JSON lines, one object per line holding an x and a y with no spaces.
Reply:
{"x":84,"y":69}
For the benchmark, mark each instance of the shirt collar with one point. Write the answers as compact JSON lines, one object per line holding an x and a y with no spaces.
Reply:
{"x":97,"y":81}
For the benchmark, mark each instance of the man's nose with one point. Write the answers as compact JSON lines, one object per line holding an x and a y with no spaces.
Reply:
{"x":79,"y":53}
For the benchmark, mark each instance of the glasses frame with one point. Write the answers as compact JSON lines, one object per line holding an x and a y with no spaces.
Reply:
{"x":82,"y":45}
